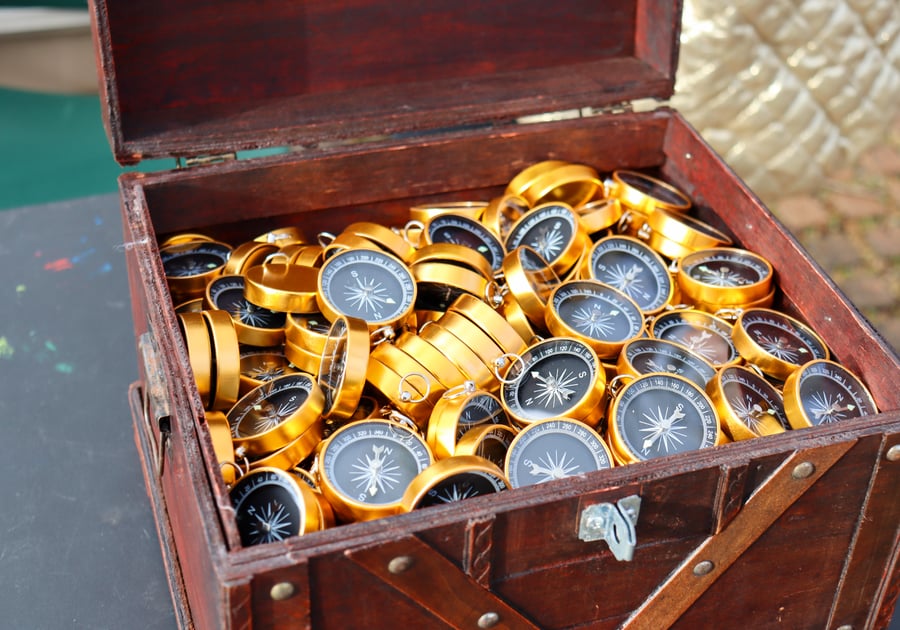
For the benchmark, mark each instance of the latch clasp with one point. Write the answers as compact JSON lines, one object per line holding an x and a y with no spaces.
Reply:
{"x":613,"y":523}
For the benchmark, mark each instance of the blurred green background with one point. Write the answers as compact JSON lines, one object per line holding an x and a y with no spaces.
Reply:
{"x":52,"y":141}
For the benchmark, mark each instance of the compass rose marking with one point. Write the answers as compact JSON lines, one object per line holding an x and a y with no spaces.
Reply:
{"x":554,"y":389}
{"x":376,"y":472}
{"x":662,"y":426}
{"x":368,"y":294}
{"x":552,"y":466}
{"x":272,"y":523}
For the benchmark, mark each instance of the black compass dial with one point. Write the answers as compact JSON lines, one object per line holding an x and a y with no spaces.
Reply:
{"x":227,"y":294}
{"x":829,"y":393}
{"x":270,"y":404}
{"x":552,"y":378}
{"x":459,"y":230}
{"x":726,"y":267}
{"x":481,"y":408}
{"x":462,"y":485}
{"x":633,"y":268}
{"x":701,"y":334}
{"x":193,"y":259}
{"x":374,"y":461}
{"x":367,"y":284}
{"x":554,"y":449}
{"x":751,"y":397}
{"x":547,"y":230}
{"x":656,"y":355}
{"x":268,"y":507}
{"x":597,"y":312}
{"x":658,"y":415}
{"x":780,"y":337}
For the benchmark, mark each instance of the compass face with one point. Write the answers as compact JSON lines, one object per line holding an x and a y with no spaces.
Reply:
{"x":701,"y":334}
{"x":596,"y":311}
{"x":552,"y":378}
{"x":459,"y":230}
{"x":462,"y":485}
{"x":726,"y":267}
{"x":634,"y":269}
{"x":751,"y":397}
{"x":264,"y":366}
{"x":548,"y":230}
{"x":193,"y":259}
{"x":829,"y":393}
{"x":782,"y":337}
{"x":227,"y":294}
{"x":658,"y":415}
{"x":554,"y":449}
{"x":652,"y":188}
{"x":373,"y":461}
{"x":656,"y":355}
{"x":268,"y":507}
{"x":480,"y":408}
{"x":367,"y":284}
{"x":268,"y":405}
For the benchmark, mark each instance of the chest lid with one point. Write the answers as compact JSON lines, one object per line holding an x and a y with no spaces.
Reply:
{"x":212,"y":76}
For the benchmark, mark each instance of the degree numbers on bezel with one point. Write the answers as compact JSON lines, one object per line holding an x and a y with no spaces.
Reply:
{"x":701,"y":333}
{"x":373,"y":461}
{"x":633,"y":268}
{"x":458,"y":230}
{"x":367,"y":284}
{"x":554,"y":448}
{"x":780,"y":337}
{"x":596,"y":311}
{"x":822,"y":392}
{"x":658,"y":355}
{"x":662,"y":414}
{"x":548,"y":230}
{"x":726,"y":267}
{"x":552,"y":378}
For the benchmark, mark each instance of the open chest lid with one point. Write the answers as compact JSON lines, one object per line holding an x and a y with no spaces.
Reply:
{"x":208,"y":77}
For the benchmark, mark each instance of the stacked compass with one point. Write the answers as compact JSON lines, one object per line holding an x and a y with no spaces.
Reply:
{"x":569,"y":324}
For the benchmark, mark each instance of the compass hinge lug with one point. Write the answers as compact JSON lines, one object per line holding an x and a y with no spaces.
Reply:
{"x":614,"y":523}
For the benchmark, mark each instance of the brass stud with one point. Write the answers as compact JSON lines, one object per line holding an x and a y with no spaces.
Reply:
{"x":846,"y":626}
{"x":803,"y":470}
{"x":488,"y":620}
{"x":893,"y":453}
{"x":703,"y":567}
{"x":281,"y":591}
{"x":400,"y":564}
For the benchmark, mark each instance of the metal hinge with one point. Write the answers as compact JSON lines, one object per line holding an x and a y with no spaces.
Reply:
{"x":624,"y":107}
{"x":613,"y":523}
{"x":200,"y":160}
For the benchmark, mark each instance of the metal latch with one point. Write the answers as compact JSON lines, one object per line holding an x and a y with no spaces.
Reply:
{"x":613,"y":523}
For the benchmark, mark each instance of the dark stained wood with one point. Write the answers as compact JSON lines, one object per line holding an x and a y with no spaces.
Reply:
{"x":436,"y":88}
{"x":865,"y":582}
{"x":436,"y":584}
{"x":207,"y":76}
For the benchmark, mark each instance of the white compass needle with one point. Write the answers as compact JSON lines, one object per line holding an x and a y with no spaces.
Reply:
{"x":663,"y":427}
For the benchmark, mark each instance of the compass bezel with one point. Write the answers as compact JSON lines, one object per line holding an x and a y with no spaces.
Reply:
{"x":346,"y":503}
{"x":795,"y":396}
{"x":585,"y":408}
{"x":673,"y":386}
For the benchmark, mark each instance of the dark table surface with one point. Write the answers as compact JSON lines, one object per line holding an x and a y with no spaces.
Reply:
{"x":78,"y":545}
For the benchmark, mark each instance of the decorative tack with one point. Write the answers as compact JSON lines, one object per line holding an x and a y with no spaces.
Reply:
{"x":400,"y":564}
{"x":488,"y":620}
{"x":703,"y":567}
{"x":803,"y":470}
{"x":281,"y":591}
